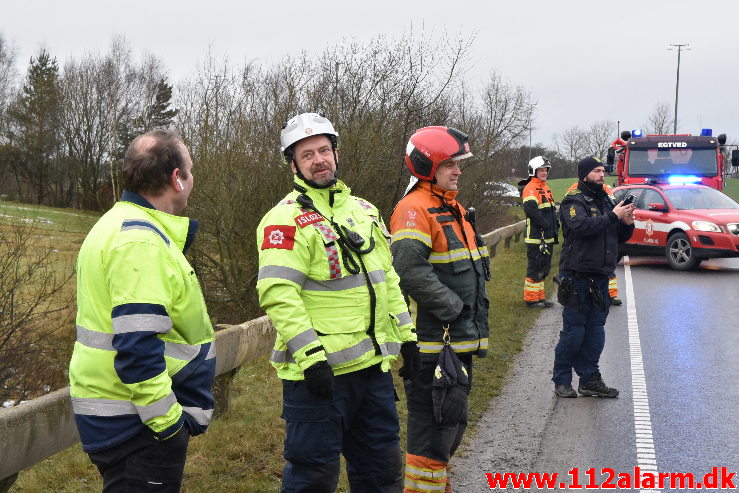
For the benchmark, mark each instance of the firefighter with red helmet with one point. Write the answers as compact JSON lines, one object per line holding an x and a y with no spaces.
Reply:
{"x":542,"y":229}
{"x":443,"y":265}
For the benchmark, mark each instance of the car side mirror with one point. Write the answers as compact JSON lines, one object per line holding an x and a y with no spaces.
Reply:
{"x":657,"y":207}
{"x":735,"y":157}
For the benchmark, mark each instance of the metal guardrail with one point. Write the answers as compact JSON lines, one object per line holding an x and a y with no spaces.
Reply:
{"x":42,"y":427}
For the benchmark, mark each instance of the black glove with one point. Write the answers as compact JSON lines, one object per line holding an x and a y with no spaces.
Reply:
{"x":320,"y":380}
{"x":411,"y":360}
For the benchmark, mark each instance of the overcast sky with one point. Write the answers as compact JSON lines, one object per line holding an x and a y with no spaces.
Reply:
{"x":582,"y":61}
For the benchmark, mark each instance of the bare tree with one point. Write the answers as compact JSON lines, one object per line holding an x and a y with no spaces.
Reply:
{"x":32,"y":307}
{"x":570,"y":144}
{"x":597,"y":139}
{"x":661,"y":120}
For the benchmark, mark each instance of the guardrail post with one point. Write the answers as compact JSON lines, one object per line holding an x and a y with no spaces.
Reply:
{"x":222,"y":392}
{"x":7,"y":483}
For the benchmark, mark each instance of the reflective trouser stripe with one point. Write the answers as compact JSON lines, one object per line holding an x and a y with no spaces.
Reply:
{"x":533,"y":290}
{"x":424,"y":475}
{"x":613,"y":287}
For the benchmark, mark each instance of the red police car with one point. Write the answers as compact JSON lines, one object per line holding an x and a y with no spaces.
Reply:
{"x":687,"y":223}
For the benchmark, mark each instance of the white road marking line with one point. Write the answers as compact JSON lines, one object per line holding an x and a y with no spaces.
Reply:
{"x":646,"y":457}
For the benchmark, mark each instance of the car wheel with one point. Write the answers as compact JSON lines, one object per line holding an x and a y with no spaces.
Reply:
{"x":679,"y":252}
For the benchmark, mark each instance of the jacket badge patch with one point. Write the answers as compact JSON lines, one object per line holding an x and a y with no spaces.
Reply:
{"x":411,"y":215}
{"x":572,"y":211}
{"x":304,"y":220}
{"x":279,"y":237}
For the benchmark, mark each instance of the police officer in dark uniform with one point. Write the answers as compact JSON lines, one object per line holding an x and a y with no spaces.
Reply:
{"x":592,"y":226}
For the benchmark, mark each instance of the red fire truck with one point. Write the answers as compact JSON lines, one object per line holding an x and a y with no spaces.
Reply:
{"x":681,"y":158}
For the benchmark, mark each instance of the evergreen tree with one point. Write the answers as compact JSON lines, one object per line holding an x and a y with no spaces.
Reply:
{"x":34,"y":119}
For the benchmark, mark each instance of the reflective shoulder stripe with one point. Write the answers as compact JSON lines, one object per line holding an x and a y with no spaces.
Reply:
{"x":101,"y":407}
{"x":130,"y":224}
{"x":344,"y":283}
{"x":158,"y":408}
{"x":201,"y":416}
{"x":412,"y":234}
{"x":143,"y":322}
{"x":301,"y":340}
{"x":280,"y":272}
{"x":95,"y":339}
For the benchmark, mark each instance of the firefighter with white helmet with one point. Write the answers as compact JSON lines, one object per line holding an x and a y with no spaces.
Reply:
{"x":542,"y":229}
{"x":443,"y":266}
{"x":327,"y":282}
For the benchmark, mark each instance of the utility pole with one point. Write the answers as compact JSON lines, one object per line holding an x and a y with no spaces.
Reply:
{"x":677,"y":84}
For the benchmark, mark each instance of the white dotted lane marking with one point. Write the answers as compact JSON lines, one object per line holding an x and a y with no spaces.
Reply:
{"x":646,"y":458}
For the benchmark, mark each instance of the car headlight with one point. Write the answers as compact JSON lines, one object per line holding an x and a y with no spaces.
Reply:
{"x":706,"y":226}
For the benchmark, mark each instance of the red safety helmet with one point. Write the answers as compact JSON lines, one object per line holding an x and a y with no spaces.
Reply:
{"x":430,"y":146}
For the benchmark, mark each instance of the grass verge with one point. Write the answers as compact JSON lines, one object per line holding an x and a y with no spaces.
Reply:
{"x":241,"y":452}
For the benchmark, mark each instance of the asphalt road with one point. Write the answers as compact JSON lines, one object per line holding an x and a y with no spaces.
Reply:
{"x":671,"y":350}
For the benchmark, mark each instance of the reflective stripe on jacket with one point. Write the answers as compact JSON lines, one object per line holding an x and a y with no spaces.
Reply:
{"x":144,"y":351}
{"x":321,"y":310}
{"x":541,"y":216}
{"x":442,"y":265}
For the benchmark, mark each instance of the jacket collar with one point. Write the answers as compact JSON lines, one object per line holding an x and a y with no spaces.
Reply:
{"x":173,"y":224}
{"x":447,"y":196}
{"x":324,"y":198}
{"x":538,"y":182}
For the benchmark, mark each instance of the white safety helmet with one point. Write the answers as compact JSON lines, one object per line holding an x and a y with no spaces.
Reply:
{"x":302,"y":126}
{"x":538,"y":162}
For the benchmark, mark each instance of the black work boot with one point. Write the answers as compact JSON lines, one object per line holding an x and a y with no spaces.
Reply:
{"x":596,"y":388}
{"x":564,"y":390}
{"x":616,"y":301}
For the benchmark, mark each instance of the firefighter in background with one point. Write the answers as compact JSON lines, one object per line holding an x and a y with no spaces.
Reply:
{"x":327,"y":281}
{"x":618,"y":148}
{"x":612,"y":279}
{"x":542,"y":228}
{"x":443,"y":266}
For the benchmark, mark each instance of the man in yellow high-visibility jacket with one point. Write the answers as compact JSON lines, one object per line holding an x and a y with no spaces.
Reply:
{"x":327,"y":282}
{"x":144,"y":360}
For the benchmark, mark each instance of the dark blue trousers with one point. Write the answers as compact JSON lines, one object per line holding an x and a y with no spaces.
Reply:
{"x":361,"y":422}
{"x":583,"y":335}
